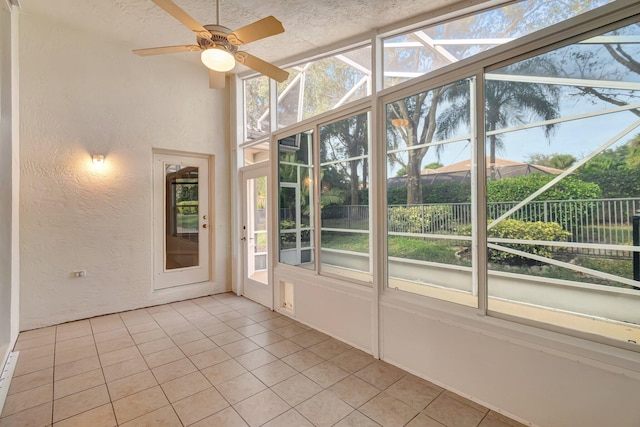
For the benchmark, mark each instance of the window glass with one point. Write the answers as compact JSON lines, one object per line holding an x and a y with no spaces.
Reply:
{"x":296,"y":221}
{"x":429,"y":179}
{"x":322,"y":85}
{"x":563,"y":168}
{"x":413,"y":54}
{"x":256,"y":108}
{"x":344,"y":198}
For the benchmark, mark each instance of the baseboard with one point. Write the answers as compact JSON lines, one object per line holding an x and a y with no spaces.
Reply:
{"x":8,"y":368}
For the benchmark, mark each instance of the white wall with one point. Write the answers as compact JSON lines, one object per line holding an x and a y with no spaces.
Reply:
{"x":83,"y":94}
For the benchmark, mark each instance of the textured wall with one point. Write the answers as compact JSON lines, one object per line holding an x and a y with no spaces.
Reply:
{"x":81,"y":94}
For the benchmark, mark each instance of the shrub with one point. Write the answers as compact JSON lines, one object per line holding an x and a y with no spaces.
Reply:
{"x":522,"y":230}
{"x":420,"y":219}
{"x":188,"y":207}
{"x":520,"y":187}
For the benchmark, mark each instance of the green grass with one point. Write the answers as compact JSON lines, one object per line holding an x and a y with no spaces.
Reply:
{"x":189,"y":222}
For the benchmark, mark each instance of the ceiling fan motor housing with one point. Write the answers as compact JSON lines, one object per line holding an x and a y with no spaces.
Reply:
{"x":218,"y":38}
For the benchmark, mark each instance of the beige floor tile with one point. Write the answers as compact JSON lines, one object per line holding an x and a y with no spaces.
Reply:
{"x":118,"y":356}
{"x":148,"y":336}
{"x":240,"y":347}
{"x":37,"y":333}
{"x":352,"y":360}
{"x":241,"y":387}
{"x":131,"y":384}
{"x":198,"y":346}
{"x":156,"y":346}
{"x":163,"y":417}
{"x":466,"y":401}
{"x":451,"y":412}
{"x":74,"y":343}
{"x":139,"y":404}
{"x":227,"y":316}
{"x":102,"y":416}
{"x":124,"y":369}
{"x":255,"y":359}
{"x":27,"y":365}
{"x":283,"y":348}
{"x":290,"y":331}
{"x":493,"y":422}
{"x":38,"y":416}
{"x":27,"y":399}
{"x":274,"y":372}
{"x":199,"y":406}
{"x":266,"y":338}
{"x":324,"y":409}
{"x":309,"y":338}
{"x":72,"y":330}
{"x":178,"y":328}
{"x":302,"y":360}
{"x":296,"y":389}
{"x":499,"y":417}
{"x":326,"y":374}
{"x":32,"y":380}
{"x":76,"y":368}
{"x":251,"y":330}
{"x":106,"y":323}
{"x":159,"y":309}
{"x":185,"y":386}
{"x":37,"y":352}
{"x":414,"y":391}
{"x":215,"y":329}
{"x":386,"y":410}
{"x":261,"y":408}
{"x":223,"y":371}
{"x":78,"y":383}
{"x":354,"y":391}
{"x":421,"y":420}
{"x":206,"y":321}
{"x":240,"y":322}
{"x":135,"y":317}
{"x":80,"y":402}
{"x":227,"y":417}
{"x":163,"y":357}
{"x":209,"y":358}
{"x":329,"y":348}
{"x":227,"y":338}
{"x":276,"y":322}
{"x":173,"y":370}
{"x":291,"y":418}
{"x":34,"y":342}
{"x":139,"y":328}
{"x":187,"y":337}
{"x":111,"y":335}
{"x":380,"y":374}
{"x":73,"y":354}
{"x":114,"y":344}
{"x":357,"y":419}
{"x":261,"y":316}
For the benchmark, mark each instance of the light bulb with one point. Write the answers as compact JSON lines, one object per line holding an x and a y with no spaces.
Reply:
{"x":218,"y":59}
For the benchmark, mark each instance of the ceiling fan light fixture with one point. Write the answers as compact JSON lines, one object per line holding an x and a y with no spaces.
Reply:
{"x":218,"y":59}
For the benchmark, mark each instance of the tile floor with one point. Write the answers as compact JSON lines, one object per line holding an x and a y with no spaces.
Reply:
{"x":216,"y":361}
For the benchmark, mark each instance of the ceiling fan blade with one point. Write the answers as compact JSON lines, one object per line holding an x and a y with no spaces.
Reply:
{"x":216,"y":80}
{"x":172,"y":9}
{"x":166,"y":49}
{"x":265,"y":27}
{"x":261,"y":66}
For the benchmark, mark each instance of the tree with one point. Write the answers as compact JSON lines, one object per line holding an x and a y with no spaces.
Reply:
{"x":555,"y":160}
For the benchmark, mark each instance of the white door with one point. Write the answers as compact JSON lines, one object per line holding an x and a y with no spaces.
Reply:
{"x":254,"y":236}
{"x":181,"y":220}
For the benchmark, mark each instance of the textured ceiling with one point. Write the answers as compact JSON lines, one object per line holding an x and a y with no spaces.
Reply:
{"x":309,"y":24}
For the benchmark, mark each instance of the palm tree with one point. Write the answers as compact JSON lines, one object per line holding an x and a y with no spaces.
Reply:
{"x":507,"y":104}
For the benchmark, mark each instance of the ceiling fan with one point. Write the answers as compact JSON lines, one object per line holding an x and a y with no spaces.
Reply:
{"x":219,"y":45}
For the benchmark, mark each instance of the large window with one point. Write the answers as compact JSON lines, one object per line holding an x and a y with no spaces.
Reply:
{"x":526,"y":168}
{"x":563,"y":134}
{"x":429,"y":204}
{"x":424,"y":50}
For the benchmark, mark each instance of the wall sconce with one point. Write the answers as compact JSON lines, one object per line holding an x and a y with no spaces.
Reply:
{"x":98,"y":160}
{"x":400,"y":123}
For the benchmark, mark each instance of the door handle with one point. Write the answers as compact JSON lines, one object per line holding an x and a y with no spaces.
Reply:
{"x":204,"y":225}
{"x":243,"y":239}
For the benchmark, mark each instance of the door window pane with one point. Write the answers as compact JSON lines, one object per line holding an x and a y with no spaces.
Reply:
{"x":181,"y":210}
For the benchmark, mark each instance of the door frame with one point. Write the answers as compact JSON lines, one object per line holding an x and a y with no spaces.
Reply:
{"x":163,"y":278}
{"x":246,"y":173}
